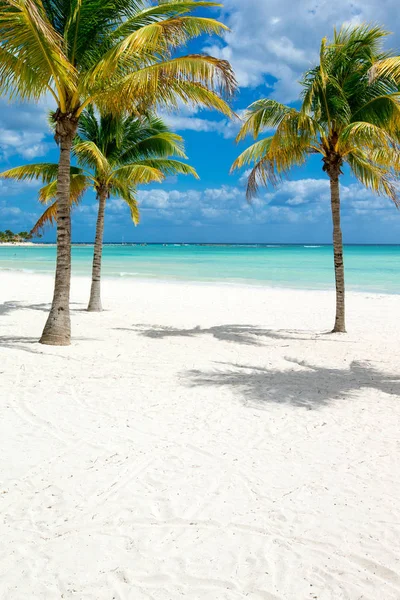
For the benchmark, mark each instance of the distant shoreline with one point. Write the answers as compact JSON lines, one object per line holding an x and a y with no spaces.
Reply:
{"x":204,"y":244}
{"x":38,"y":244}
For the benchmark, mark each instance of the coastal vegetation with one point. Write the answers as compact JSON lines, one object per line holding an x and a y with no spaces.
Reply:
{"x":349,"y":115}
{"x":115,"y":154}
{"x":8,"y":236}
{"x":117,"y":55}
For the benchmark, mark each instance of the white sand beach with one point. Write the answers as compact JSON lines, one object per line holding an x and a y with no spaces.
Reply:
{"x":207,"y":442}
{"x":25,"y":244}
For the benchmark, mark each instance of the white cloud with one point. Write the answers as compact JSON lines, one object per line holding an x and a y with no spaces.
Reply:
{"x":13,"y":217}
{"x":27,"y":144}
{"x":281,"y":38}
{"x":9,"y":187}
{"x":188,"y":118}
{"x":24,"y":129}
{"x":300,"y":191}
{"x":6,"y":211}
{"x":227,"y":204}
{"x":301,"y":201}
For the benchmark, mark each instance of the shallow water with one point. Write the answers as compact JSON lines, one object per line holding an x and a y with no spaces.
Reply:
{"x":368,"y":268}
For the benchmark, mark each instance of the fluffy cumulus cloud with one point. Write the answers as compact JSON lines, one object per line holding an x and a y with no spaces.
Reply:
{"x":9,"y":188}
{"x":301,"y":191}
{"x":15,"y":197}
{"x":24,"y":129}
{"x":280,"y":38}
{"x":302,"y":200}
{"x":14,"y":217}
{"x":189,"y":118}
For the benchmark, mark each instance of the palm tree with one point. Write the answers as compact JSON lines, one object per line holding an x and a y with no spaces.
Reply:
{"x":117,"y":54}
{"x":115,"y":154}
{"x":349,"y":114}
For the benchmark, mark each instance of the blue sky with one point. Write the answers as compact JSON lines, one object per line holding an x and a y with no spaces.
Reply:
{"x":271,"y":42}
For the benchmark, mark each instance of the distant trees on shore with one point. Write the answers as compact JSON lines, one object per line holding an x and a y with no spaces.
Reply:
{"x":10,"y":236}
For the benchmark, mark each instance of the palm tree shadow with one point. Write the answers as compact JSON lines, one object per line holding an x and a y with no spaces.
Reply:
{"x":8,"y":307}
{"x":32,"y":345}
{"x":26,"y":344}
{"x":248,"y":335}
{"x":11,"y":306}
{"x":306,"y":386}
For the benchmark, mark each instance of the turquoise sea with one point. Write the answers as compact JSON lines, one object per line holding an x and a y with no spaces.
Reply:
{"x":368,"y":268}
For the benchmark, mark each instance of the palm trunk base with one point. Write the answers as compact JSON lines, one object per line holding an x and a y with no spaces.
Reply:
{"x":339,"y":328}
{"x":95,"y":307}
{"x":95,"y":298}
{"x":57,"y":331}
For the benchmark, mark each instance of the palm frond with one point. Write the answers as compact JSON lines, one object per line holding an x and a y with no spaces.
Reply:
{"x":158,"y":145}
{"x":264,"y":113}
{"x":376,"y":178}
{"x":169,"y":167}
{"x":90,"y":155}
{"x":45,"y":172}
{"x":18,"y":80}
{"x":362,"y":42}
{"x":136,"y":174}
{"x":365,"y":135}
{"x":253,"y":154}
{"x":193,"y":79}
{"x":128,"y":194}
{"x":78,"y":186}
{"x":152,"y":40}
{"x":27,"y":35}
{"x":382,"y":110}
{"x":271,"y":160}
{"x":262,"y":174}
{"x":388,"y":68}
{"x":47,"y":218}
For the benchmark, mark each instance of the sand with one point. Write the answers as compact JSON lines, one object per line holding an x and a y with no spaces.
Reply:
{"x":24,"y":244}
{"x":207,"y":442}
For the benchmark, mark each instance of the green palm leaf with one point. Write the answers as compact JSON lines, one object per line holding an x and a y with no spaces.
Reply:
{"x":169,"y":166}
{"x":79,"y":184}
{"x":45,"y":172}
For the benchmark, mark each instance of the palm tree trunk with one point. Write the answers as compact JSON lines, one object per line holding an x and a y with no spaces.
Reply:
{"x":340,"y":325}
{"x":95,"y":292}
{"x":57,"y":331}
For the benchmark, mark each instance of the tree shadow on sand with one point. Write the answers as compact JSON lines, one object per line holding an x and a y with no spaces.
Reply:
{"x":32,"y":345}
{"x":27,"y":344}
{"x":248,"y":335}
{"x":10,"y":306}
{"x":307,"y":386}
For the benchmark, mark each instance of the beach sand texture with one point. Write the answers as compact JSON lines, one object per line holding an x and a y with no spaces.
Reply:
{"x":206,"y":442}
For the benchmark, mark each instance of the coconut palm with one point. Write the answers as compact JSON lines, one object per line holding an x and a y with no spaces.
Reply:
{"x":115,"y":154}
{"x":349,"y":114}
{"x":117,"y":54}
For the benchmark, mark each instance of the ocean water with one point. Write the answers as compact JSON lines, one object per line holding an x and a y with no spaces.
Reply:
{"x":368,"y":268}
